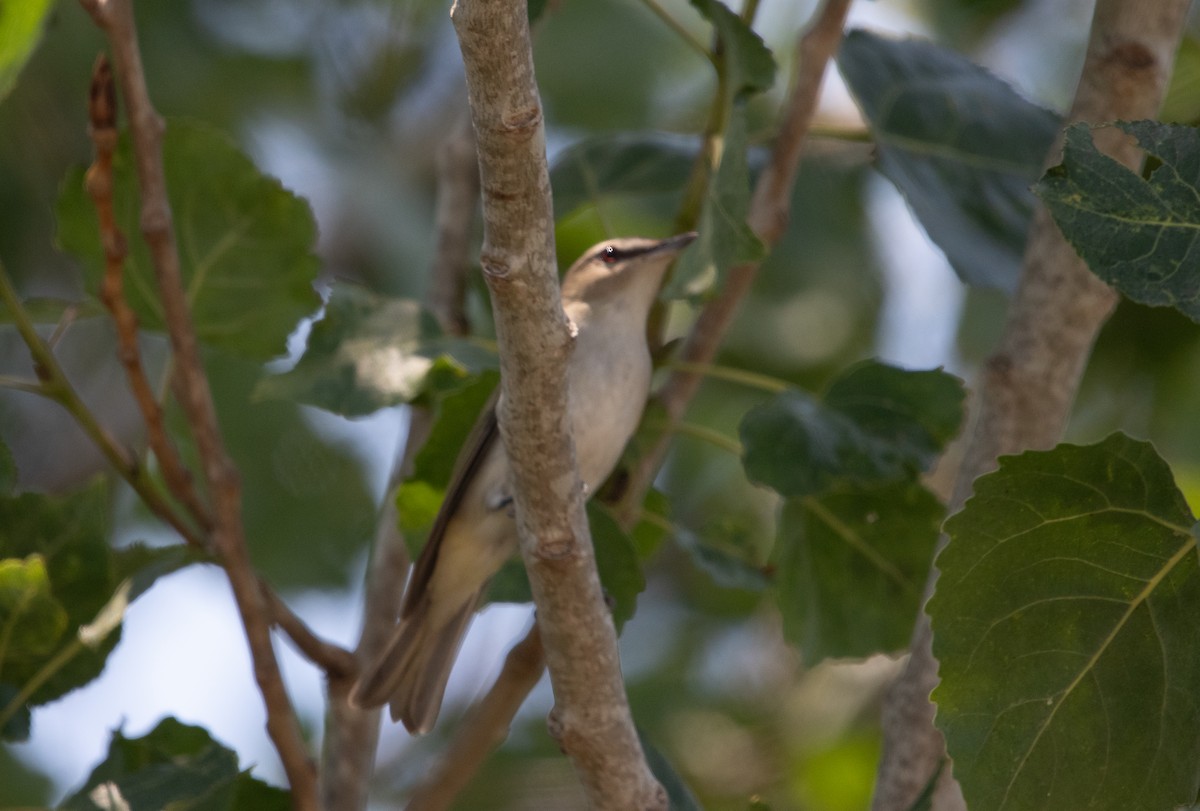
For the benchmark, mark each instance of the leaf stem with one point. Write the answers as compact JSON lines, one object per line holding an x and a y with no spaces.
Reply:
{"x":679,"y":30}
{"x":754,"y":380}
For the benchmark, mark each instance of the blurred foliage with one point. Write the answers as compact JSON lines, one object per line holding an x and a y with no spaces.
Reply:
{"x":347,"y":101}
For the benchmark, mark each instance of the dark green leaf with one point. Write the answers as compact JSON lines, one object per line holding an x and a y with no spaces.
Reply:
{"x":21,"y":23}
{"x":245,"y":242}
{"x":308,"y":507}
{"x":726,"y":569}
{"x":597,"y":168}
{"x":724,"y":237}
{"x":174,"y":766}
{"x":1141,"y":236}
{"x":8,"y":470}
{"x":748,"y":62}
{"x":617,"y":562}
{"x":850,"y":568}
{"x":16,"y":728}
{"x":1065,"y":624}
{"x":960,"y":145}
{"x":877,"y":423}
{"x":654,"y":526}
{"x":679,"y":796}
{"x":369,"y":352}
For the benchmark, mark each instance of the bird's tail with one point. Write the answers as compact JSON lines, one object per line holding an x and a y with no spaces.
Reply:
{"x":412,"y":672}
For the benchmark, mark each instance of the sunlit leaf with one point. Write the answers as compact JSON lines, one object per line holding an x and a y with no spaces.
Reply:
{"x":369,"y":352}
{"x":1141,"y":236}
{"x":21,"y":23}
{"x":876,"y":423}
{"x":1065,"y":626}
{"x":960,"y":145}
{"x":174,"y":766}
{"x":245,"y":242}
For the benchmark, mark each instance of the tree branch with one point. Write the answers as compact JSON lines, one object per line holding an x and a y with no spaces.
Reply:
{"x":591,"y":719}
{"x":352,"y":733}
{"x":768,"y":217}
{"x":102,"y":128}
{"x":485,"y":727}
{"x":1030,"y":382}
{"x":116,"y":18}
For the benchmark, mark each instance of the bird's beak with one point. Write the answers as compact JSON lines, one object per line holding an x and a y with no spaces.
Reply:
{"x":677,"y":243}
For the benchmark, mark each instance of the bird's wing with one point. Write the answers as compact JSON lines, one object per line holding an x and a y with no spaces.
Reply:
{"x":483,"y":436}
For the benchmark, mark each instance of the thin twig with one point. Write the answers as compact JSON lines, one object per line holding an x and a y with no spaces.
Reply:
{"x":769,"y":212}
{"x":116,"y":18}
{"x":54,"y":385}
{"x":336,"y":661}
{"x":1029,"y":384}
{"x":102,"y":115}
{"x":485,"y":727}
{"x":352,"y":734}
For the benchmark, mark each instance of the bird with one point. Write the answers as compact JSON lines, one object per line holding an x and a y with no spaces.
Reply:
{"x":607,"y":294}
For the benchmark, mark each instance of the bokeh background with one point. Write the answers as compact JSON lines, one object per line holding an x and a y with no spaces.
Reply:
{"x":347,"y":101}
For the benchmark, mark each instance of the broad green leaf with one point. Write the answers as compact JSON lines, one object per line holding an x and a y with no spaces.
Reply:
{"x":307,"y":505}
{"x":21,"y":23}
{"x":71,"y":622}
{"x":876,"y":423}
{"x":960,"y":145}
{"x":748,"y":63}
{"x":850,"y":567}
{"x":245,"y":242}
{"x":724,"y":237}
{"x":1065,"y":626}
{"x":369,"y":352}
{"x":1141,"y":236}
{"x":174,"y":766}
{"x":598,"y":168}
{"x":679,"y":796}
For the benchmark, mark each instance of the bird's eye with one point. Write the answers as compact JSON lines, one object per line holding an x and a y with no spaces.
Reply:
{"x":610,"y":255}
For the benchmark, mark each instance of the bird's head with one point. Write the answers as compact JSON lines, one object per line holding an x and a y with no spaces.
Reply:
{"x":628,"y":270}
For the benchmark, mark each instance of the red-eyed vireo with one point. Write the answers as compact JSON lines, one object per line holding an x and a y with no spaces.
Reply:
{"x":607,"y":294}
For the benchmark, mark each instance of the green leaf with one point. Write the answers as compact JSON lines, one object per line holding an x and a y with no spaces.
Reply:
{"x":876,"y":423}
{"x":245,"y":242}
{"x":725,"y":568}
{"x":1065,"y":624}
{"x":419,"y":498}
{"x":369,"y":352}
{"x":617,"y":562}
{"x":724,"y":237}
{"x":55,"y":551}
{"x":679,"y":796}
{"x":31,"y":620}
{"x":21,"y":23}
{"x":601,"y":167}
{"x":850,"y":568}
{"x":960,"y":145}
{"x":8,"y":470}
{"x":1141,"y":236}
{"x":748,"y":62}
{"x":18,"y":727}
{"x":174,"y":766}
